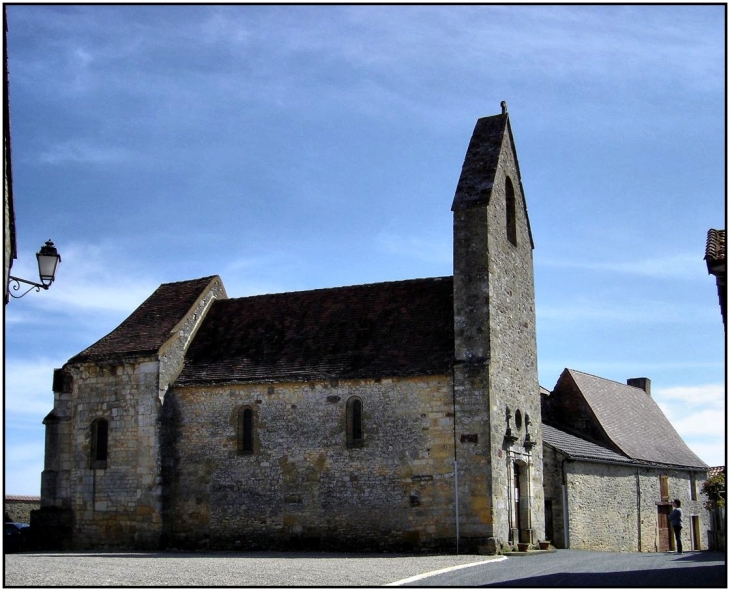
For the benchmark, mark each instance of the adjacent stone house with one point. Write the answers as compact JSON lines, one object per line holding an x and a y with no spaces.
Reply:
{"x":612,"y":466}
{"x":397,"y":415}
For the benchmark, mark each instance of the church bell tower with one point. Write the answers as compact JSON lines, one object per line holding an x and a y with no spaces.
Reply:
{"x":497,"y":401}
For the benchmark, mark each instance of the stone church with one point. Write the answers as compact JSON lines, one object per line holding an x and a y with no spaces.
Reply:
{"x":400,"y":415}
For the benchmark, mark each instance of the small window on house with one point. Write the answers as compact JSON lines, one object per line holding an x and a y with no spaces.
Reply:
{"x":511,"y":208}
{"x":664,"y":487}
{"x":692,"y":486}
{"x":244,"y":429}
{"x":354,"y":422}
{"x":518,"y":419}
{"x":99,"y":444}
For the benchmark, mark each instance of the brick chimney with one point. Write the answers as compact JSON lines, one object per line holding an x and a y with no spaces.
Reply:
{"x":643,"y":383}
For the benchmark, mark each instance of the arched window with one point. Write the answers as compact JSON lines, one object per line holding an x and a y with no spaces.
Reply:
{"x":510,"y":206}
{"x":518,"y":419}
{"x":99,"y":444}
{"x":244,"y":430}
{"x":354,"y":422}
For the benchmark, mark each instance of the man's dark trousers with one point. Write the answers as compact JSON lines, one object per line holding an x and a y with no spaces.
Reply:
{"x":678,"y":537}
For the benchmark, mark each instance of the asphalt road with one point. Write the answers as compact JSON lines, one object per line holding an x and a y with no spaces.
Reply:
{"x":580,"y":568}
{"x":564,"y":568}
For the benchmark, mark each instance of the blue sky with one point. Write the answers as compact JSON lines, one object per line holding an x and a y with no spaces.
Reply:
{"x":296,"y":147}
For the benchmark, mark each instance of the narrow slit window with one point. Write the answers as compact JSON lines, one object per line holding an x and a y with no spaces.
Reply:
{"x":511,"y":211}
{"x":245,"y":431}
{"x":99,"y":443}
{"x":354,"y":422}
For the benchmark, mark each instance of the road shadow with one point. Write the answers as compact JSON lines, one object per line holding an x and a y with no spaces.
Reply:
{"x":710,"y":576}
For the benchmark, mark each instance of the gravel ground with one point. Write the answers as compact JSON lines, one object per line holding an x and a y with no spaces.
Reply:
{"x":74,"y":569}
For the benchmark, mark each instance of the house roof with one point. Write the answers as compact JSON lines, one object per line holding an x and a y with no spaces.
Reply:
{"x":392,"y":329}
{"x":715,"y":470}
{"x":580,"y":449}
{"x":149,"y":326}
{"x":715,"y":248}
{"x":633,"y":421}
{"x":22,"y":499}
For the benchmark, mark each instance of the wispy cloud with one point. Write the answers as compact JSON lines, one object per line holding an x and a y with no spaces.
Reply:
{"x":437,"y":249}
{"x":680,"y":266}
{"x":82,"y":152}
{"x":98,"y":277}
{"x":581,"y":308}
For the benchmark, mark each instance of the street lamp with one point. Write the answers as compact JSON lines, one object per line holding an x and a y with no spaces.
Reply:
{"x":48,"y":259}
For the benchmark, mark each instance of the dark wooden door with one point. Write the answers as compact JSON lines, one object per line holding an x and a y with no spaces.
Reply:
{"x":666,"y":542}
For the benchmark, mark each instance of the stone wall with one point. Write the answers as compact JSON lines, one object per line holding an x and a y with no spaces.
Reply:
{"x":615,"y":507}
{"x":302,"y":485}
{"x":553,"y":494}
{"x":18,"y":508}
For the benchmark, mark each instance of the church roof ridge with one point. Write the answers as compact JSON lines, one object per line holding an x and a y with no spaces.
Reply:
{"x":344,"y":287}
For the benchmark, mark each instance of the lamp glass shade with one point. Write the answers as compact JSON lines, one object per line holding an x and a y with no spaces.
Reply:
{"x":48,"y":259}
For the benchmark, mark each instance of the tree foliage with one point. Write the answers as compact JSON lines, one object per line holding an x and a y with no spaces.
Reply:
{"x":714,"y":489}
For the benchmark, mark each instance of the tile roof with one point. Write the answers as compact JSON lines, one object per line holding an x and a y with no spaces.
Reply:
{"x":392,"y":329}
{"x":580,"y":449}
{"x":634,"y":422}
{"x":149,"y":326}
{"x":715,"y":249}
{"x":22,"y":499}
{"x":715,"y":470}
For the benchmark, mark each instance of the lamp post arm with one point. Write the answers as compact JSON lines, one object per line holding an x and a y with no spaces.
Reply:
{"x":14,"y":284}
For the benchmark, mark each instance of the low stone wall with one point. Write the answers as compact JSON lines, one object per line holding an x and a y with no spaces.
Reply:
{"x":18,"y":507}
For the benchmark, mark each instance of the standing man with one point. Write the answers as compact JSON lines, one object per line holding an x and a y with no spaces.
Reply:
{"x":675,"y":520}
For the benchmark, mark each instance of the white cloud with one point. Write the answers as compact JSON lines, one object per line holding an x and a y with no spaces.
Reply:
{"x":698,"y":414}
{"x":29,"y":386}
{"x":712,"y":452}
{"x":713,"y":394}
